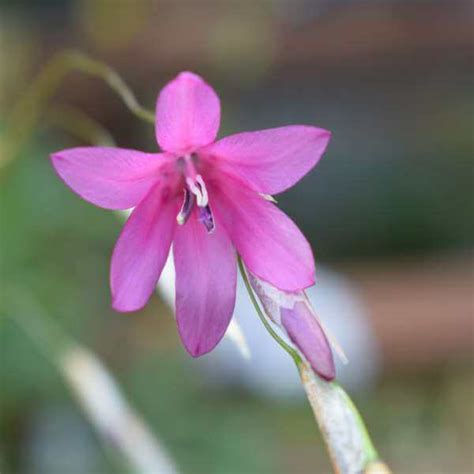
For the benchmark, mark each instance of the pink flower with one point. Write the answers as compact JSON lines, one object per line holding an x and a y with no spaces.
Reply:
{"x":204,"y":196}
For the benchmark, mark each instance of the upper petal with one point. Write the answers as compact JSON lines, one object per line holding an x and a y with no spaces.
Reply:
{"x":269,"y":242}
{"x":187,"y":114}
{"x":272,"y":160}
{"x":206,"y":275}
{"x":113,"y":178}
{"x":141,"y":250}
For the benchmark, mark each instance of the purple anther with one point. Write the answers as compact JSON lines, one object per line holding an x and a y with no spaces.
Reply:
{"x":206,"y":218}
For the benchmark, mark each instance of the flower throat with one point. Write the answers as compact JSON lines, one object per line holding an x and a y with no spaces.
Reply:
{"x":195,"y":192}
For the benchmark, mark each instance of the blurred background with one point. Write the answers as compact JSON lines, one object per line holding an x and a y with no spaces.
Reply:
{"x":389,"y":212}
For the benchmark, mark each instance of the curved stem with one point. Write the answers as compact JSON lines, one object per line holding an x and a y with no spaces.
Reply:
{"x":26,"y":113}
{"x":294,"y":355}
{"x":95,"y":68}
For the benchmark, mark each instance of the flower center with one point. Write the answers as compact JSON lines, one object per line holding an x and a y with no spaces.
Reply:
{"x":195,"y":192}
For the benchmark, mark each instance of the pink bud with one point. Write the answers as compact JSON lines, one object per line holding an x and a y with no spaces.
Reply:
{"x":306,"y":333}
{"x":292,"y":312}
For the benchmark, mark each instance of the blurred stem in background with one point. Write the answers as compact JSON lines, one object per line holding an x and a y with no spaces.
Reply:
{"x":341,"y":425}
{"x":93,"y":387}
{"x":27,"y":112}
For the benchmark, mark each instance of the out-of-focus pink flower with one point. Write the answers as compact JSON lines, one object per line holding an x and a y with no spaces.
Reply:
{"x":204,"y":196}
{"x":293,"y":313}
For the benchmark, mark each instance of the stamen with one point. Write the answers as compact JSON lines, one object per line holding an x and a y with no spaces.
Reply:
{"x":195,"y":190}
{"x":198,"y":188}
{"x":186,"y":208}
{"x":202,"y":186}
{"x":207,"y":219}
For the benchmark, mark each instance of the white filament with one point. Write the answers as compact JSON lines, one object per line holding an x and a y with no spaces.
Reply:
{"x":200,"y":191}
{"x":205,"y":197}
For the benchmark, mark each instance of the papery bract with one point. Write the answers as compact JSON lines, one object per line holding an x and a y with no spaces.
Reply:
{"x":204,"y":197}
{"x":293,"y":313}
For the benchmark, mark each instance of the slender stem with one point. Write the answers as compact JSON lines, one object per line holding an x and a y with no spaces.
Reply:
{"x":368,"y":446}
{"x":27,"y":112}
{"x":98,"y":69}
{"x":344,"y":432}
{"x":294,"y":355}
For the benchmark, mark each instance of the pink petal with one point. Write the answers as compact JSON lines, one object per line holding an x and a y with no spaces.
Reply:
{"x":273,"y":160}
{"x":206,"y":275}
{"x":141,"y":250}
{"x":306,"y":333}
{"x":187,"y":114}
{"x":269,"y":242}
{"x":113,"y":178}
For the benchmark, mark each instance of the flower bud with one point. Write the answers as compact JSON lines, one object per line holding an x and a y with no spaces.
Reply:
{"x":293,"y":313}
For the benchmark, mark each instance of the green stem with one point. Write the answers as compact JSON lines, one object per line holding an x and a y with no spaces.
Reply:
{"x":27,"y":112}
{"x":371,"y":454}
{"x":294,"y":355}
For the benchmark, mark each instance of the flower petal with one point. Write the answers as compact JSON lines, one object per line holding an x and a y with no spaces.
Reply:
{"x":269,"y":242}
{"x":187,"y":114}
{"x":308,"y":336}
{"x":273,"y":160}
{"x":141,"y":250}
{"x":206,"y":273}
{"x":113,"y":178}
